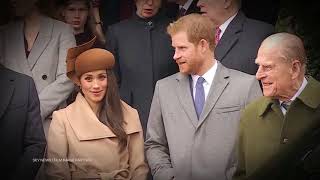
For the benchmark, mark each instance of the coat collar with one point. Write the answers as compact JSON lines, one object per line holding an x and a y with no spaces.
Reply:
{"x":42,"y":41}
{"x":265,"y":105}
{"x":152,"y":21}
{"x":309,"y":96}
{"x":87,"y":126}
{"x":183,"y":91}
{"x":16,"y":34}
{"x":220,"y":82}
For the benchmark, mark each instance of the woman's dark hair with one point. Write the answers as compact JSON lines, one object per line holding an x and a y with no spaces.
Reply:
{"x":114,"y":110}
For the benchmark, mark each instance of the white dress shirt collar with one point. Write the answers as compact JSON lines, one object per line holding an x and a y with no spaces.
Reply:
{"x":186,"y":5}
{"x":208,"y":76}
{"x":224,"y":26}
{"x":303,"y":85}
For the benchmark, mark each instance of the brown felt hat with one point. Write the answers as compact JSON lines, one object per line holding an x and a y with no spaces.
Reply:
{"x":81,"y":59}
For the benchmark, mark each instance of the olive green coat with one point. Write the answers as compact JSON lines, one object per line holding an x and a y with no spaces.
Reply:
{"x":266,"y":136}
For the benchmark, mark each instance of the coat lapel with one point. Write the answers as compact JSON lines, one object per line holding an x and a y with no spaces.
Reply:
{"x":84,"y":122}
{"x":15,"y":40}
{"x":6,"y":93}
{"x":310,"y":95}
{"x":183,"y":92}
{"x":131,"y":117}
{"x":44,"y":36}
{"x":220,"y":82}
{"x":230,"y":36}
{"x":87,"y":126}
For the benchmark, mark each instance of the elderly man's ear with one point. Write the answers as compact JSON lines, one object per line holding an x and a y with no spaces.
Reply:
{"x":227,"y":3}
{"x":296,"y":68}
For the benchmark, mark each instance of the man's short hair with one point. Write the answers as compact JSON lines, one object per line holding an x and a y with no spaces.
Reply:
{"x":294,"y":49}
{"x":196,"y":26}
{"x":290,"y":46}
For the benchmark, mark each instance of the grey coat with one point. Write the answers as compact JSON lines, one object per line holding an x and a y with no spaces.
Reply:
{"x":178,"y":144}
{"x":46,"y":63}
{"x":239,"y":44}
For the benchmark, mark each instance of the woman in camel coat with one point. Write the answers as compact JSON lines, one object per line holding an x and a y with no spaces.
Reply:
{"x":98,"y":136}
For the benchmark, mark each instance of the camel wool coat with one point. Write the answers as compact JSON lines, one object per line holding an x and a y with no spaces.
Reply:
{"x":81,"y":147}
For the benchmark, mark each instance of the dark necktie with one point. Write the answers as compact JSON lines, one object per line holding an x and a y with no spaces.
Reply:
{"x":199,"y":96}
{"x":217,"y":36}
{"x":285,"y":105}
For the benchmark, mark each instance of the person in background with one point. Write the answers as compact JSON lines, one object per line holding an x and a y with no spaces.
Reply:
{"x":79,"y":15}
{"x":143,"y":54}
{"x":96,"y":21}
{"x":99,"y":135}
{"x":194,"y":115}
{"x":279,"y":132}
{"x":36,"y":45}
{"x":182,"y":7}
{"x":22,"y":138}
{"x":238,"y":37}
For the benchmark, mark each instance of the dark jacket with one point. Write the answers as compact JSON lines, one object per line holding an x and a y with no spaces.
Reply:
{"x":172,"y":11}
{"x":144,"y":55}
{"x":239,"y":44}
{"x":22,"y":137}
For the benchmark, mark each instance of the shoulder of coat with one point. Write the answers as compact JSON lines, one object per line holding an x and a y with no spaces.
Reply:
{"x":131,"y":118}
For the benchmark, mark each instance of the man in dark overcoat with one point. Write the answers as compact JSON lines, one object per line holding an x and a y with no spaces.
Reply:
{"x":22,"y":139}
{"x":143,"y":53}
{"x":237,"y":37}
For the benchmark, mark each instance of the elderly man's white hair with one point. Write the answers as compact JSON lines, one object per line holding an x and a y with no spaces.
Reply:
{"x":290,"y":46}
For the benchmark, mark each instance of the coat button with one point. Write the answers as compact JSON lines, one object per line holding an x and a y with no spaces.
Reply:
{"x":285,"y":140}
{"x":44,"y":77}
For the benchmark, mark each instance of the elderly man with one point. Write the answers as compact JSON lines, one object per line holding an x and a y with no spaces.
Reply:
{"x":194,"y":115}
{"x":238,"y":37}
{"x":280,"y":126}
{"x":143,"y":55}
